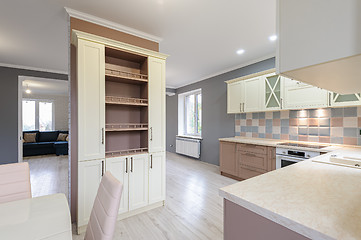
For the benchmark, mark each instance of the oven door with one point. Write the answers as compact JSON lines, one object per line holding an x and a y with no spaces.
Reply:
{"x":284,"y":161}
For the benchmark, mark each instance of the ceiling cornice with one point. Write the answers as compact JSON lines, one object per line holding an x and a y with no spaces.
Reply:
{"x":109,"y":24}
{"x":32,"y":68}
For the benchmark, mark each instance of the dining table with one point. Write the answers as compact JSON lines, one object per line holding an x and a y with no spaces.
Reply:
{"x":45,"y":217}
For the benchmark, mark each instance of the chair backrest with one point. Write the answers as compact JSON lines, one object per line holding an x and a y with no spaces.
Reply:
{"x":14,"y":182}
{"x":105,"y":209}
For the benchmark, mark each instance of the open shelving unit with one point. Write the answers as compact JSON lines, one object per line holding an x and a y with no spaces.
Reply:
{"x":119,"y":127}
{"x":126,"y":111}
{"x":126,"y":101}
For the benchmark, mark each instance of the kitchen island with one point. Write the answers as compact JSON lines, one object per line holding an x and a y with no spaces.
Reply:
{"x":307,"y":200}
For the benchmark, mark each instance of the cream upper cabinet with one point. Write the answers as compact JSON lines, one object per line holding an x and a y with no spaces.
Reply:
{"x":138,"y":181}
{"x":91,"y":100}
{"x":89,"y":177}
{"x":235,"y":97}
{"x":156,"y":104}
{"x":343,"y":100}
{"x":272,"y":90}
{"x":298,"y":95}
{"x":119,"y":167}
{"x":156,"y":177}
{"x":252,"y":95}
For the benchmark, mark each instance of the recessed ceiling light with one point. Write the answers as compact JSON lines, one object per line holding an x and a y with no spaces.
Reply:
{"x":240,"y":51}
{"x":273,"y":38}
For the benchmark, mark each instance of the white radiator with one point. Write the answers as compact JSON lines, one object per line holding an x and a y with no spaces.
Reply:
{"x":188,"y":146}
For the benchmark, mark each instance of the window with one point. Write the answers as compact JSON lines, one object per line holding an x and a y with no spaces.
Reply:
{"x":38,"y":115}
{"x":28,"y":115}
{"x":190,"y":113}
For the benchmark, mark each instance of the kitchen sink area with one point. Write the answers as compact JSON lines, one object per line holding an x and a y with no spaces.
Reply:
{"x":346,"y":161}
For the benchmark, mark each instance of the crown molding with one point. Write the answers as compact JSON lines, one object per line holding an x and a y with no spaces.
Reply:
{"x":116,"y":44}
{"x":109,"y":24}
{"x":32,"y":68}
{"x":229,"y":69}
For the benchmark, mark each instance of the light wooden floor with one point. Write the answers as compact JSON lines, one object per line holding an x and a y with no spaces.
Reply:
{"x":48,"y":174}
{"x":193,"y":208}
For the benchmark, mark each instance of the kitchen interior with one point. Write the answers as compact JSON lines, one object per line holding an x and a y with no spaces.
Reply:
{"x":284,"y":129}
{"x":296,"y":149}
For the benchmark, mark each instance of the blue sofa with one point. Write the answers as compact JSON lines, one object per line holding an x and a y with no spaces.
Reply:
{"x":45,"y":144}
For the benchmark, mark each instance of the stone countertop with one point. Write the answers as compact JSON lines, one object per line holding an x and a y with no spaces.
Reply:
{"x":275,"y":142}
{"x":316,"y":200}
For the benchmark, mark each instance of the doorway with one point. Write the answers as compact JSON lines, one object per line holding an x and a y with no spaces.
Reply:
{"x":43,"y":129}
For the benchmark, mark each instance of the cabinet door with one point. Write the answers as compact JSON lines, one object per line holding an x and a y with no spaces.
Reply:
{"x":138,"y":181}
{"x":89,"y":177}
{"x":343,"y":100}
{"x":252,"y":96}
{"x":252,"y":161}
{"x":91,"y":100}
{"x":272,"y":92}
{"x":156,"y":73}
{"x":156,"y":177}
{"x":227,"y":158}
{"x":119,"y":167}
{"x":235,"y":97}
{"x":298,"y":95}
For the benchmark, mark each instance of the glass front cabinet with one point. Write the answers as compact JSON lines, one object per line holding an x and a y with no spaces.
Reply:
{"x":340,"y":100}
{"x":273,"y":96}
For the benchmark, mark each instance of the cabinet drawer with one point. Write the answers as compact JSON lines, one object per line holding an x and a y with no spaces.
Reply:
{"x":256,"y":149}
{"x":253,"y":161}
{"x":245,"y":173}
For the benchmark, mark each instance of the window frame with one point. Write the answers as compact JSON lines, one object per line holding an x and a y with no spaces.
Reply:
{"x":37,"y":112}
{"x":182,"y":130}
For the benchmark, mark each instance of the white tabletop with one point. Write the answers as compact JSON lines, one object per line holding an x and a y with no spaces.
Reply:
{"x":46,"y":217}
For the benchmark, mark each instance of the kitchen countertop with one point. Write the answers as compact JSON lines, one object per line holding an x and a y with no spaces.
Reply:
{"x":275,"y":142}
{"x":316,"y":200}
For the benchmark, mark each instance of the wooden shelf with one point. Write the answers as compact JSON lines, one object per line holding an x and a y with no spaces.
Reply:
{"x":125,"y":127}
{"x":126,"y":152}
{"x":126,"y":101}
{"x":123,"y":76}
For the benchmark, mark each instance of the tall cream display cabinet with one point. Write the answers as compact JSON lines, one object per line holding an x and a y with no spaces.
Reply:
{"x":121,"y":123}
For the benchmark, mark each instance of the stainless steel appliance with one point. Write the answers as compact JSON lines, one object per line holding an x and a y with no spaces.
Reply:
{"x":287,"y":154}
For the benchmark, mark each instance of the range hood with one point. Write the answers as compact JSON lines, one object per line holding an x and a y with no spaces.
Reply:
{"x":320,"y":43}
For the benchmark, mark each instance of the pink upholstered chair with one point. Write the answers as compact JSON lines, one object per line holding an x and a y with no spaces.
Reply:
{"x":14,"y":182}
{"x":103,"y":217}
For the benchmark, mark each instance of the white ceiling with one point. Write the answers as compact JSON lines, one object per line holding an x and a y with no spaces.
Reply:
{"x":201,"y":36}
{"x":42,"y":86}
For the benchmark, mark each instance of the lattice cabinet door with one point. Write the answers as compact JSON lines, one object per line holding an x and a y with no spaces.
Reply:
{"x":273,"y":98}
{"x":337,"y":99}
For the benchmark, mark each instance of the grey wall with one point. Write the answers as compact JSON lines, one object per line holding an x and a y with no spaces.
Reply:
{"x":9,"y":109}
{"x":216,"y":123}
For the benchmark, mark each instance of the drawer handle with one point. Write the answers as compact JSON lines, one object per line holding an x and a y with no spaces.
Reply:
{"x":250,"y":155}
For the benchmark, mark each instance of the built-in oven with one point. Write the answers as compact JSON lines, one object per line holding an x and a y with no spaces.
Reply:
{"x":286,"y":157}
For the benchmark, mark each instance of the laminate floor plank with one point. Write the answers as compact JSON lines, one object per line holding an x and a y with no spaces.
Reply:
{"x":193,"y":209}
{"x":48,"y":174}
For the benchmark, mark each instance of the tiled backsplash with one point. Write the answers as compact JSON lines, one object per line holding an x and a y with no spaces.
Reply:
{"x":328,"y":125}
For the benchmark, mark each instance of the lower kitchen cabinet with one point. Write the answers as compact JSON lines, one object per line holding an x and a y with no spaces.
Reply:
{"x":89,"y":176}
{"x":156,"y":177}
{"x":142,"y":176}
{"x":228,"y":161}
{"x":242,"y":161}
{"x":138,"y":181}
{"x":118,"y":167}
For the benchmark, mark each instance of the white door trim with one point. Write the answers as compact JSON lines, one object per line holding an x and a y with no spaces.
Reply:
{"x":20,"y":111}
{"x":20,"y":118}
